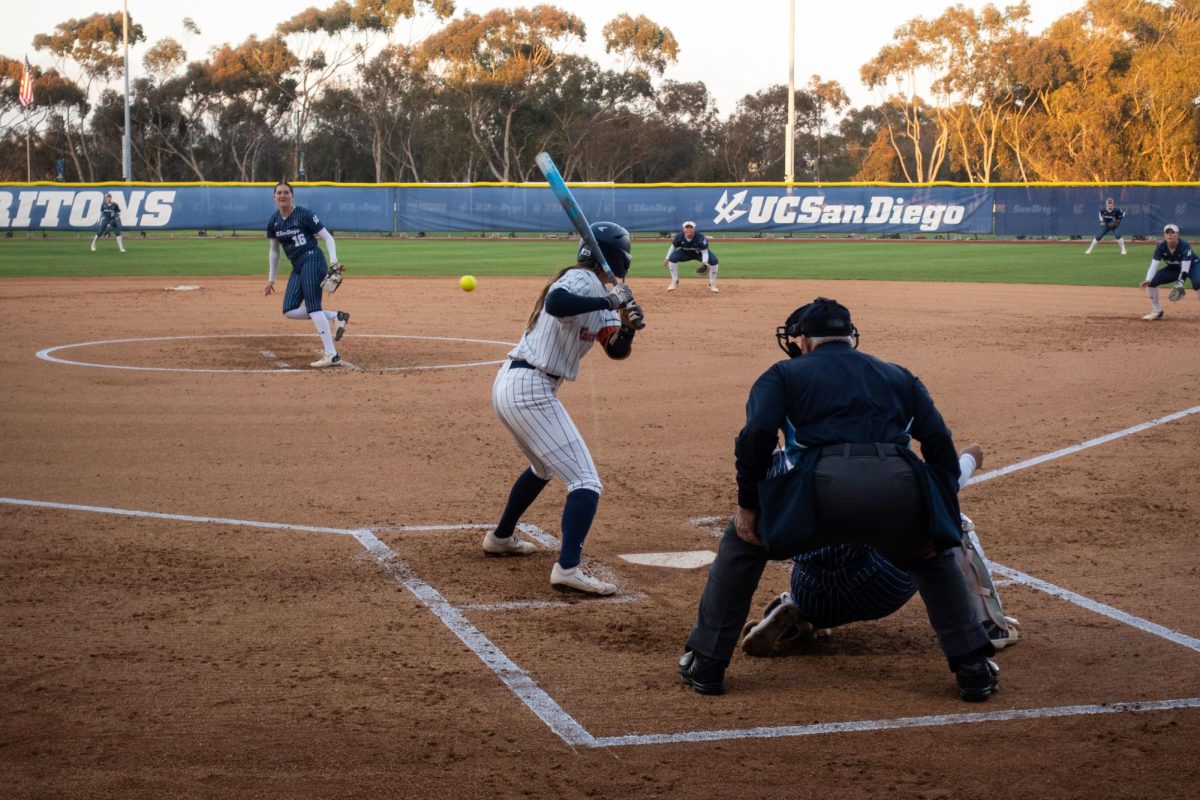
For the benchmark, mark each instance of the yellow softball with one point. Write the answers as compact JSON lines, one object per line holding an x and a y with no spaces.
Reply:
{"x":467,"y":283}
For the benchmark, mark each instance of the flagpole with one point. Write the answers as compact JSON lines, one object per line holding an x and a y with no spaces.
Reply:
{"x":126,"y":141}
{"x":28,"y":157}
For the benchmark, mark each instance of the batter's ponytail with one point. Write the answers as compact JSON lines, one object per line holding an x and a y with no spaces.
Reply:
{"x":541,"y":301}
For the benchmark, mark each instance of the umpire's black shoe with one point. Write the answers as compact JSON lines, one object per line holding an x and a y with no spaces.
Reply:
{"x":703,"y":674}
{"x":978,"y":680}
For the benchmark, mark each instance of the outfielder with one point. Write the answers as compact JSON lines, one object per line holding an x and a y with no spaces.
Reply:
{"x":691,"y":245}
{"x":1172,"y":263}
{"x":574,"y":311}
{"x":847,"y":583}
{"x":1110,"y":220}
{"x":110,"y":217}
{"x":297,"y":229}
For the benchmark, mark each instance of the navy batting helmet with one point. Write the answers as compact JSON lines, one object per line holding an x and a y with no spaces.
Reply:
{"x":614,"y":244}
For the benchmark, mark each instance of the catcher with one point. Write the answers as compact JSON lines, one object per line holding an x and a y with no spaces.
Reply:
{"x":1172,"y":263}
{"x":847,"y":583}
{"x":1110,"y":220}
{"x":296,"y":230}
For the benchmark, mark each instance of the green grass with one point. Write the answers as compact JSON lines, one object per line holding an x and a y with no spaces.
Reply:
{"x":1046,"y":263}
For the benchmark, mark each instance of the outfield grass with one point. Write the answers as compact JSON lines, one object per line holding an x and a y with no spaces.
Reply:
{"x":1000,"y":262}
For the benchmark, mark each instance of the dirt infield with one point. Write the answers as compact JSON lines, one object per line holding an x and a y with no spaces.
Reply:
{"x":305,"y":611}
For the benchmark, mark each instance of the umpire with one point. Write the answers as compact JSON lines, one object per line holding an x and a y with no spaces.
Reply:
{"x":857,"y":481}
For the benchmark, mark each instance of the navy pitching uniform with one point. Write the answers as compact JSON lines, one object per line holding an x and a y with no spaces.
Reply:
{"x":1174,"y":262}
{"x":1110,"y":221}
{"x":296,"y":230}
{"x":691,"y":245}
{"x":575,"y":312}
{"x":110,"y":217}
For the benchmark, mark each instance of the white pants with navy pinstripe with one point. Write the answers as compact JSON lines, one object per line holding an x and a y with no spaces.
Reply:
{"x":526,"y":401}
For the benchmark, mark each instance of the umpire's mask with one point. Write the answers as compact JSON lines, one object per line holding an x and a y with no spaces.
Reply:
{"x":821,"y":317}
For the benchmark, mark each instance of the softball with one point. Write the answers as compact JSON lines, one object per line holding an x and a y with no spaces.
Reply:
{"x":467,"y":283}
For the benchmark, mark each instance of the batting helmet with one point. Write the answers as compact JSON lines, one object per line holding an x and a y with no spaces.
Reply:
{"x":821,"y":317}
{"x":614,"y":244}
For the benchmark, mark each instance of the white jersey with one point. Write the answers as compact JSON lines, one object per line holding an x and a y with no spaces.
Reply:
{"x":555,"y":345}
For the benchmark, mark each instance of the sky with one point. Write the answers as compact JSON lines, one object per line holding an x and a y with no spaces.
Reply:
{"x":735,"y":48}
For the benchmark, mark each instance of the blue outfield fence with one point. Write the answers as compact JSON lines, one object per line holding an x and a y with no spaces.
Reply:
{"x":736,"y":208}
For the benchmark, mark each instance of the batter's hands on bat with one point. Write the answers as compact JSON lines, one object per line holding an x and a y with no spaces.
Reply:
{"x":620,"y":296}
{"x":632,"y":317}
{"x":745,"y":522}
{"x":270,"y":288}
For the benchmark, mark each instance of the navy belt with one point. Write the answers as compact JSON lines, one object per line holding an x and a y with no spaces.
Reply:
{"x":521,"y":363}
{"x":861,"y":450}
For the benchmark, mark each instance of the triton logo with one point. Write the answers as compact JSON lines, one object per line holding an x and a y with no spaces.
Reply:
{"x":816,"y":210}
{"x":54,"y":208}
{"x":727,"y":210}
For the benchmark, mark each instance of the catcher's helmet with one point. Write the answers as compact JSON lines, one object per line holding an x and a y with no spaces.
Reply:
{"x":821,"y":317}
{"x":614,"y":244}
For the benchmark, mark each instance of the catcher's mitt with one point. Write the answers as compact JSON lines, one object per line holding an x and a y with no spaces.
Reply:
{"x":632,"y":317}
{"x":1177,"y":291}
{"x":333,"y":278}
{"x":702,"y":269}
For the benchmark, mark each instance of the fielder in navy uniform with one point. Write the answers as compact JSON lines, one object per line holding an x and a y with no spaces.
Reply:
{"x":1173,"y":262}
{"x":573,"y":312}
{"x":857,"y":482}
{"x":110,"y":217}
{"x":296,"y":230}
{"x":1110,"y":221}
{"x":846,"y":583}
{"x":691,"y":245}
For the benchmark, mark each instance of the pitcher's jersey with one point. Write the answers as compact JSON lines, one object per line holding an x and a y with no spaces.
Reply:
{"x":297,"y":233}
{"x":695,"y":245}
{"x":110,"y":212}
{"x":555,"y":345}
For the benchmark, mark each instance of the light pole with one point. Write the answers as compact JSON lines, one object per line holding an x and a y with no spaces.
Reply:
{"x":789,"y":148}
{"x":126,"y":140}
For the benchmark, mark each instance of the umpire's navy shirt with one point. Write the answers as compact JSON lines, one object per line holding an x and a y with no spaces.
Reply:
{"x":837,"y":395}
{"x":297,"y":233}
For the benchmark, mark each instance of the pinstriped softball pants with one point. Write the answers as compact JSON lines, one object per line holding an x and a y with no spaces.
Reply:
{"x":304,"y":285}
{"x":526,"y":401}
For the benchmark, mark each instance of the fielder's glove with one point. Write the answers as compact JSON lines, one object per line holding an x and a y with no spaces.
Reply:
{"x":632,"y":317}
{"x":1177,"y":292}
{"x":333,"y":278}
{"x":1112,"y":226}
{"x":702,"y":269}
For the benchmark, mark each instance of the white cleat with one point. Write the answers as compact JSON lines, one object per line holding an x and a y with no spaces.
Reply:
{"x":1153,"y":315}
{"x":575,"y":578}
{"x":93,"y":247}
{"x":508,"y":546}
{"x":329,"y":360}
{"x":672,"y":286}
{"x":712,"y":288}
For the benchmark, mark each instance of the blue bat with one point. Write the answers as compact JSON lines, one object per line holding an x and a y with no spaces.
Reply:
{"x":574,"y":212}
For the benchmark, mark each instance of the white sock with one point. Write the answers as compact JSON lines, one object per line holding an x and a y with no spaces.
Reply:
{"x":712,"y":274}
{"x":121,"y":243}
{"x":1154,"y":303}
{"x":296,"y":313}
{"x":94,"y":240}
{"x":674,"y":271}
{"x":331,"y":315}
{"x":1093,"y":244}
{"x":322,"y":322}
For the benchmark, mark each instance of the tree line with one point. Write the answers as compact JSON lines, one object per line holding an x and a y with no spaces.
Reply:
{"x":1109,"y":92}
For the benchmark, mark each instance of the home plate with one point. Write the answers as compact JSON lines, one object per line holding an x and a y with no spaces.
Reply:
{"x":687,"y":559}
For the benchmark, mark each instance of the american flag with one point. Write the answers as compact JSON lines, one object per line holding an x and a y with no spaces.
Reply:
{"x":27,"y":85}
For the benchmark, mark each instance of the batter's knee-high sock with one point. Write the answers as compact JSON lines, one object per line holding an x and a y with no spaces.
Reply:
{"x":577,"y":518}
{"x":674,"y":271}
{"x":331,"y":315}
{"x":1154,"y":301}
{"x":322,"y":323}
{"x":299,"y":312}
{"x":526,"y":489}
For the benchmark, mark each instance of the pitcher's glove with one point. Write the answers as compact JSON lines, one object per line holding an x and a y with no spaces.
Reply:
{"x":1177,"y":292}
{"x":702,"y":269}
{"x":333,"y":278}
{"x":632,"y":317}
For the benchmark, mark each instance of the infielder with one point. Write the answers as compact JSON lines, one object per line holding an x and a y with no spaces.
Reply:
{"x":691,"y":245}
{"x":574,"y":311}
{"x":110,"y":217}
{"x":297,"y":229}
{"x":1110,"y":220}
{"x":1172,"y":263}
{"x":847,"y":583}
